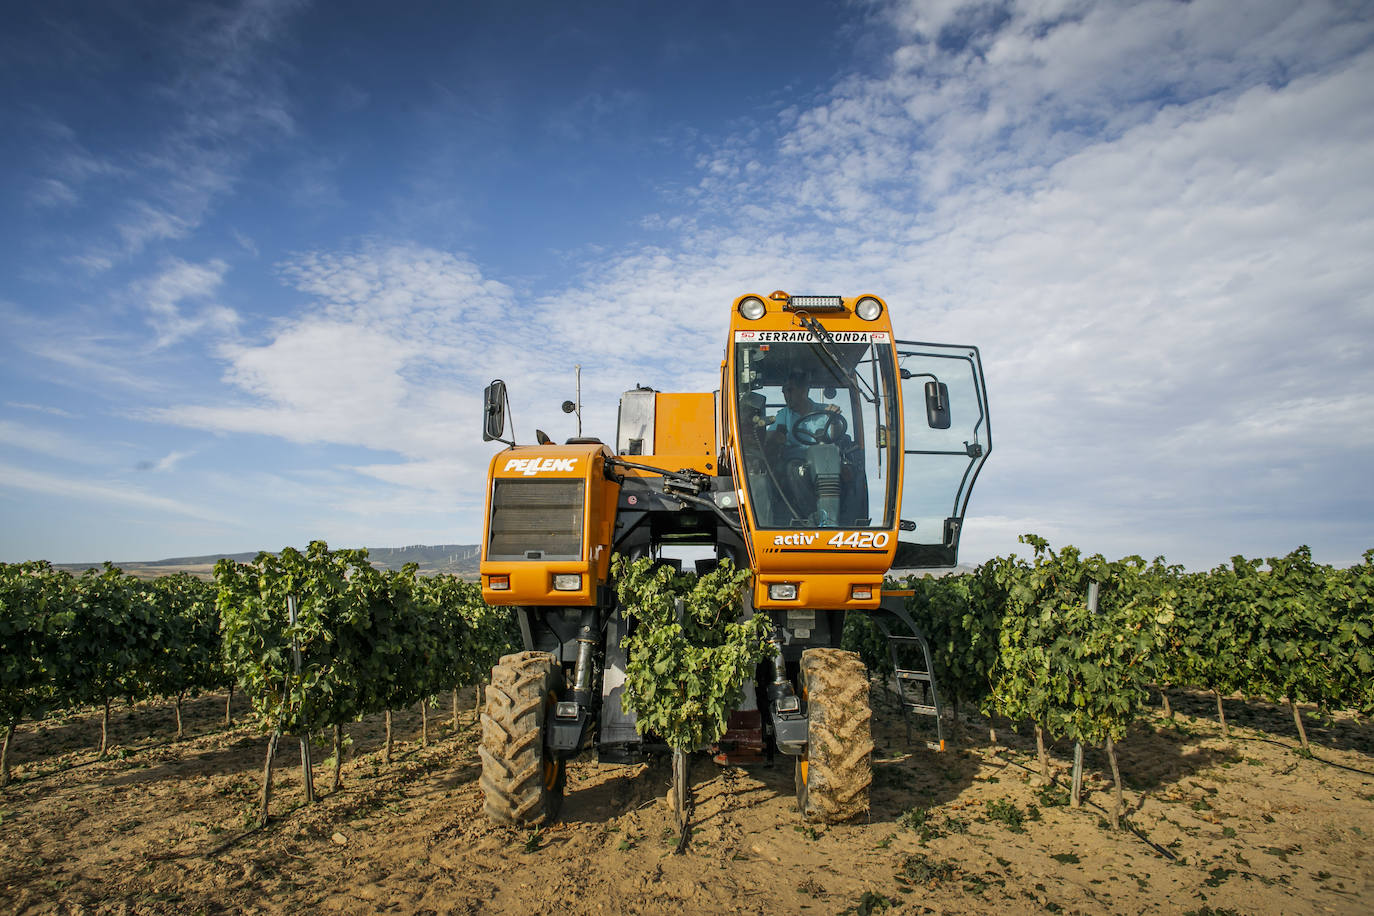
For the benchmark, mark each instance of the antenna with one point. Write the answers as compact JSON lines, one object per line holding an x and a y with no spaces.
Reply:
{"x":576,"y":406}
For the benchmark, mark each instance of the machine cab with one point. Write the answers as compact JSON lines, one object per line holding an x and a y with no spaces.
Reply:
{"x":854,"y":452}
{"x":816,"y":426}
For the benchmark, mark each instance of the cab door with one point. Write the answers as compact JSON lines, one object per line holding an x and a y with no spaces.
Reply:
{"x":946,"y":437}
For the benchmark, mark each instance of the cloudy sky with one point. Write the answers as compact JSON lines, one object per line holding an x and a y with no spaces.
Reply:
{"x":261,"y":256}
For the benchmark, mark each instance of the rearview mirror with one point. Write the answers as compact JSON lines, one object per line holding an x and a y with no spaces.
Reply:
{"x":494,"y":412}
{"x":937,"y":405}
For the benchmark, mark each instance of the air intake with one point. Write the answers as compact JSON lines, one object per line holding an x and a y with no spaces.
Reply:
{"x":539,"y":519}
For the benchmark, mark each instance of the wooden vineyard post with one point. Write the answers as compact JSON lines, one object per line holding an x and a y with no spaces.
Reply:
{"x":681,"y":795}
{"x":306,"y":771}
{"x":1297,"y":720}
{"x":1221,"y":714}
{"x":338,"y":753}
{"x":5,"y":753}
{"x":1116,"y":780}
{"x":266,"y":797}
{"x":1076,"y":796}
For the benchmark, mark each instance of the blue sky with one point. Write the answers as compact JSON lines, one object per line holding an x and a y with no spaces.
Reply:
{"x":259,"y":258}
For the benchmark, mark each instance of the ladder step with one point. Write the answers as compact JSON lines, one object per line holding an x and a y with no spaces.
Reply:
{"x":921,"y":709}
{"x":909,"y":675}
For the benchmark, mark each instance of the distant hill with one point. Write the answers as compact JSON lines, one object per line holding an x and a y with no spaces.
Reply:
{"x":453,"y":559}
{"x":960,"y":570}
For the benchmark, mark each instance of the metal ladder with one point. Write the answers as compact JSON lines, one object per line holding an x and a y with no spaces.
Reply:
{"x":914,"y":672}
{"x":916,"y":687}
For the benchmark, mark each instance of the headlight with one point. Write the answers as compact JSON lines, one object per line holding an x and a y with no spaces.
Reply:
{"x":567,"y":582}
{"x":752,"y":308}
{"x":783,"y":591}
{"x":868,"y":308}
{"x":498,"y":583}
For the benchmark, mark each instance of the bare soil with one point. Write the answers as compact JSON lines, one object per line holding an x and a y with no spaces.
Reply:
{"x":1216,"y":825}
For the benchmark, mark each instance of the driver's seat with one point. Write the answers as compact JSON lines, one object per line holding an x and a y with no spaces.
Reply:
{"x":824,"y":460}
{"x":813,"y":485}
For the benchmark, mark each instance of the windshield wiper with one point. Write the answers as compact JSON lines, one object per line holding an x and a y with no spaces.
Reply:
{"x":822,"y":343}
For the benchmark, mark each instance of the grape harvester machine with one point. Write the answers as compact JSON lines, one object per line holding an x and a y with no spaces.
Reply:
{"x":830,"y":454}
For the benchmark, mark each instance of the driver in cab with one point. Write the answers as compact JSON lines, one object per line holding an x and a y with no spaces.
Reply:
{"x":782,"y":433}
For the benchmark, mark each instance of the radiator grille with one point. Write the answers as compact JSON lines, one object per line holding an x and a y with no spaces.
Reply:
{"x":536,"y":520}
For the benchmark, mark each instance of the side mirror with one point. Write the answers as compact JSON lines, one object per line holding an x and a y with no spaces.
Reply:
{"x":494,"y":412}
{"x":937,"y":405}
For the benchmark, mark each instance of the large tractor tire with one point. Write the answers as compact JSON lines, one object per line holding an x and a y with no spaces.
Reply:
{"x":834,"y":775}
{"x":522,"y":782}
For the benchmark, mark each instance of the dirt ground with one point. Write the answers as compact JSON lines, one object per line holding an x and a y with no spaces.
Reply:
{"x":1218,"y":825}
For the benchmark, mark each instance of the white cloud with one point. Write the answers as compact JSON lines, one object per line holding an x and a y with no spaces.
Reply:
{"x":50,"y":192}
{"x":50,"y":442}
{"x":41,"y":408}
{"x":17,"y":478}
{"x":163,"y":295}
{"x":228,"y":100}
{"x":392,"y":358}
{"x":95,"y":363}
{"x":169,"y":461}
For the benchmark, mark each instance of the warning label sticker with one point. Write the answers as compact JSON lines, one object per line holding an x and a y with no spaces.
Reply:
{"x":839,"y":337}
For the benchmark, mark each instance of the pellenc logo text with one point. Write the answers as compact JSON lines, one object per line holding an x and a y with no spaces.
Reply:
{"x":531,"y":466}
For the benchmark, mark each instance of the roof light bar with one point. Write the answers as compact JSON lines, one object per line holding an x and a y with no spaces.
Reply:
{"x":815,"y":304}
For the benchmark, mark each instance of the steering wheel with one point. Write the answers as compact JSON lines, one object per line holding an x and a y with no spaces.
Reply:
{"x":835,"y":425}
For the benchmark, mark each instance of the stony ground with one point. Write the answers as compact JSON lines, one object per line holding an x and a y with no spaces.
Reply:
{"x":1216,"y":825}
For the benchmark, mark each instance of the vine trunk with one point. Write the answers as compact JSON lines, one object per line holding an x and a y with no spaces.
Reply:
{"x":105,"y":729}
{"x":266,"y":797}
{"x":1297,"y":720}
{"x":386,"y":754}
{"x":338,"y":753}
{"x":5,"y":753}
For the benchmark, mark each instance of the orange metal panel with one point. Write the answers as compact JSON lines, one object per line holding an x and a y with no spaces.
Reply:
{"x":818,"y":590}
{"x":531,"y":581}
{"x":686,"y":424}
